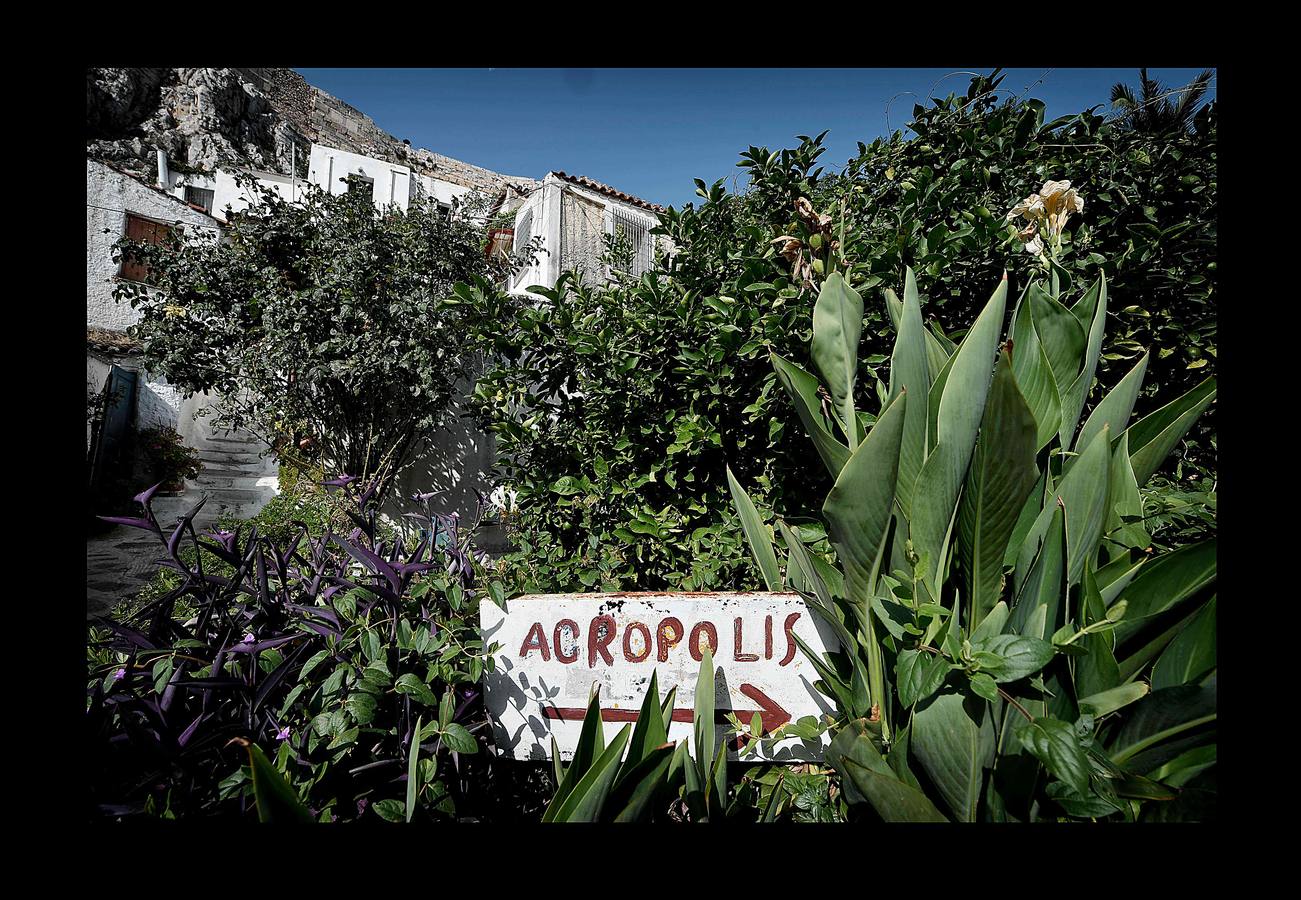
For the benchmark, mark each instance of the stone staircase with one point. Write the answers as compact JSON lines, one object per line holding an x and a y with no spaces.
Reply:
{"x":236,"y":480}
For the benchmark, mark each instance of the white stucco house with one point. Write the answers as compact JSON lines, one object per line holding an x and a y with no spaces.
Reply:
{"x":571,"y":214}
{"x":117,"y":205}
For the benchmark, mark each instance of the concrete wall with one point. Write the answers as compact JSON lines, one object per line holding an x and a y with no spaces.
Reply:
{"x":110,"y":195}
{"x":228,"y":193}
{"x":330,"y":167}
{"x":545,"y":204}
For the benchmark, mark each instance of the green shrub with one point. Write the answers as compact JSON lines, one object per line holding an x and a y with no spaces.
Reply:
{"x":617,"y":407}
{"x":1011,"y":649}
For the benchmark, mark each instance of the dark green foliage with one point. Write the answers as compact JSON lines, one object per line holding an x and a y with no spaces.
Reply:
{"x":168,"y":459}
{"x":618,"y":408}
{"x":354,"y":660}
{"x":324,"y":326}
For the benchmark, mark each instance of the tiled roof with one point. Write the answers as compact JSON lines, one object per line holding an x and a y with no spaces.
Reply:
{"x":154,"y":187}
{"x":583,"y":181}
{"x":106,"y":341}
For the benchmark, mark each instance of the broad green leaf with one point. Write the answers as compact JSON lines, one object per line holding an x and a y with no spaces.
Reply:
{"x":412,"y":685}
{"x":1152,"y":437}
{"x":991,"y":625}
{"x":910,"y":372}
{"x":858,"y":507}
{"x":961,"y":408}
{"x":458,"y":739}
{"x":756,"y":534}
{"x":704,"y":715}
{"x":586,"y":801}
{"x":1099,"y":705}
{"x":1034,"y":377}
{"x":1082,"y":493}
{"x":1091,"y":313}
{"x":1162,"y":715}
{"x":1022,"y":656}
{"x":1191,"y":655}
{"x":1001,"y":476}
{"x":1164,"y":583}
{"x":802,"y":388}
{"x":837,"y":328}
{"x":1115,"y":408}
{"x":1186,"y":766}
{"x":1045,"y":585}
{"x":633,"y":793}
{"x":413,"y":758}
{"x":1097,"y":671}
{"x":918,"y":675}
{"x":868,"y":779}
{"x":276,"y":800}
{"x":1060,"y":335}
{"x":1123,"y":529}
{"x":953,"y":739}
{"x":650,"y":731}
{"x":591,"y":741}
{"x":1056,"y":745}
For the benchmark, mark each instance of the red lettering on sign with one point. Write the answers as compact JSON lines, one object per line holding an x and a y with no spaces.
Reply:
{"x":711,"y":635}
{"x":790,"y":638}
{"x":667,"y":635}
{"x":561,"y":656}
{"x":599,"y":636}
{"x":767,"y":637}
{"x":736,"y":644}
{"x":645,"y":642}
{"x":536,"y":640}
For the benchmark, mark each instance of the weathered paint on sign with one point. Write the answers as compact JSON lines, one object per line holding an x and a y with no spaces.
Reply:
{"x":551,"y":649}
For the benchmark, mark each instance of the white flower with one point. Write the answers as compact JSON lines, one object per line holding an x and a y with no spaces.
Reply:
{"x":503,"y":499}
{"x":1046,"y":214}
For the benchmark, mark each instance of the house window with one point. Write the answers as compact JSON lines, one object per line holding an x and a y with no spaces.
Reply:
{"x":143,"y":231}
{"x":524,"y":233}
{"x":360,"y":184}
{"x":201,"y":197}
{"x":636,"y":231}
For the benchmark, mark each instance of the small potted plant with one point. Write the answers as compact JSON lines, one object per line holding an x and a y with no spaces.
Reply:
{"x":168,"y":459}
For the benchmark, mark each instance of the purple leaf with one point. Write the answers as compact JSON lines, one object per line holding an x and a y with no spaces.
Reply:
{"x":341,"y":481}
{"x":132,"y":522}
{"x":144,"y":497}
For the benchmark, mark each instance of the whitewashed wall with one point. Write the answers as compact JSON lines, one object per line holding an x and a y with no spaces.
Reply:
{"x":545,"y":205}
{"x":328,"y":166}
{"x":110,"y":195}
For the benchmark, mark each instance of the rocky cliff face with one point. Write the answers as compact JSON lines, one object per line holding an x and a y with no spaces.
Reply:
{"x":254,"y":117}
{"x":202,"y":118}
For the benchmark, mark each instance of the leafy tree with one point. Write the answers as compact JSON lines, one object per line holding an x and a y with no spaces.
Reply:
{"x":1154,"y":111}
{"x":617,"y":407}
{"x":327,"y":326}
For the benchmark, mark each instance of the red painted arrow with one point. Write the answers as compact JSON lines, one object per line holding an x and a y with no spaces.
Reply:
{"x":771,"y":713}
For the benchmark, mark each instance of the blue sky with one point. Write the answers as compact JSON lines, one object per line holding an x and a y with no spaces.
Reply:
{"x":649,"y":132}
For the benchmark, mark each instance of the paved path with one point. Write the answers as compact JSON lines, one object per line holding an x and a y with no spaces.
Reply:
{"x":235,"y":479}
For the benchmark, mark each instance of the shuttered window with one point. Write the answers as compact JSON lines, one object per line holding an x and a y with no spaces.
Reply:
{"x":144,"y":231}
{"x":201,"y":197}
{"x":524,"y":233}
{"x":637,"y":232}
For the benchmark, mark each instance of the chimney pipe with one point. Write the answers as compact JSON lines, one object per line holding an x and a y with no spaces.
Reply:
{"x":164,"y":178}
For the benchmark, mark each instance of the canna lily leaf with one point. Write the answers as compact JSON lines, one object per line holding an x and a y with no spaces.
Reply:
{"x":837,"y":328}
{"x":756,"y":534}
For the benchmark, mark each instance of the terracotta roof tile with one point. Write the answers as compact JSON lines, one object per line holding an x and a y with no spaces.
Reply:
{"x":107,"y":341}
{"x":591,"y":185}
{"x":154,"y":187}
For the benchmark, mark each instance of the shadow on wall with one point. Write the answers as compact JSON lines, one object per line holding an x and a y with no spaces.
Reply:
{"x":456,"y":463}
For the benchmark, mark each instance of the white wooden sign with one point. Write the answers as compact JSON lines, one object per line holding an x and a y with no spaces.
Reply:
{"x":552,"y":648}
